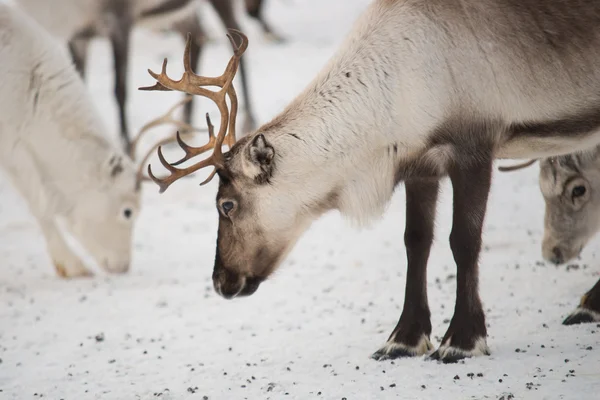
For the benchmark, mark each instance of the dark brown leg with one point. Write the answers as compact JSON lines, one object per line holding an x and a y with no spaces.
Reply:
{"x":224,"y":9}
{"x":466,"y":335}
{"x":411,"y":335}
{"x":119,"y":38}
{"x":589,"y":308}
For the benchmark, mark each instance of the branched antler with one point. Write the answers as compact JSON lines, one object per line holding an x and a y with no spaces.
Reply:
{"x":166,"y":118}
{"x":194,"y":84}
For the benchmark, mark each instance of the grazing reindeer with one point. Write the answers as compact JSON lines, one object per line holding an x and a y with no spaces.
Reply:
{"x":79,"y":21}
{"x":54,"y":150}
{"x":419,"y":90}
{"x":570,"y":185}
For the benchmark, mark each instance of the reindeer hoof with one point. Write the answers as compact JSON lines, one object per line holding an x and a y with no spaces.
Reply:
{"x":582,"y":315}
{"x":449,"y":354}
{"x":60,"y":270}
{"x":79,"y":272}
{"x":392,"y":350}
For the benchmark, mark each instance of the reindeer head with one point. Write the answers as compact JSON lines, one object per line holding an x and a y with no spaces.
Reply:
{"x":258,"y":224}
{"x":570,"y":185}
{"x":571,"y":188}
{"x":104,"y":215}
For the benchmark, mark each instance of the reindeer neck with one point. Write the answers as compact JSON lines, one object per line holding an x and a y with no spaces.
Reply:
{"x":356,"y":104}
{"x":337,"y":134}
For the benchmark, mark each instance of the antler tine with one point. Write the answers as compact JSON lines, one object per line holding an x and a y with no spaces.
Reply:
{"x":194,"y":151}
{"x":517,"y":166}
{"x":163,"y":119}
{"x":177,"y":173}
{"x":238,"y":50}
{"x":158,"y":85}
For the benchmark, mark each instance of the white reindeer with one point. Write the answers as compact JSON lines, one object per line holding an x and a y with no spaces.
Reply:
{"x":54,"y":148}
{"x":419,"y":90}
{"x":76,"y":22}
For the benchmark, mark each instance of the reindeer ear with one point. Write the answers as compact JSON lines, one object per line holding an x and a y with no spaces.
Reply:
{"x":261,"y":152}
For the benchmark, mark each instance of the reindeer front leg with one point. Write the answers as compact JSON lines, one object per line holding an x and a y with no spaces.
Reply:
{"x":411,"y":335}
{"x":471,"y":181}
{"x":66,"y":263}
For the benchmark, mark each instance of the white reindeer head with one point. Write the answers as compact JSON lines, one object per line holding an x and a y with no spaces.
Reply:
{"x":104,"y":214}
{"x":105,"y":210}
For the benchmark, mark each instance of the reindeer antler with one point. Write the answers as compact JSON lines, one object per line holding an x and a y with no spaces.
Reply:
{"x":192,"y":84}
{"x":517,"y":166}
{"x":166,"y":118}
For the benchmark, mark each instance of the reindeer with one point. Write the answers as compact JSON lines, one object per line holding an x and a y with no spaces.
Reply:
{"x":79,"y":21}
{"x":418,"y":91}
{"x":54,"y":149}
{"x":569,"y":185}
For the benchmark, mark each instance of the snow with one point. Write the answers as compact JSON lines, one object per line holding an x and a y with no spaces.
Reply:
{"x":162,"y":332}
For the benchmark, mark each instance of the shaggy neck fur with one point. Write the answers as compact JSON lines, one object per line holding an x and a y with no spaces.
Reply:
{"x":334,"y":139}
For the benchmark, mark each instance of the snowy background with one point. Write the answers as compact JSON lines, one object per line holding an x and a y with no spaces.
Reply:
{"x":162,"y":332}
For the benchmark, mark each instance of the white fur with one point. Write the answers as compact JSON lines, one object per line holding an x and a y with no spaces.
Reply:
{"x":423,"y":347}
{"x":344,"y":145}
{"x":586,"y":311}
{"x":446,"y":351}
{"x":54,"y":150}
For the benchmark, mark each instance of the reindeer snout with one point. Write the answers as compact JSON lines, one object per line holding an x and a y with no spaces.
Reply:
{"x":229,"y":284}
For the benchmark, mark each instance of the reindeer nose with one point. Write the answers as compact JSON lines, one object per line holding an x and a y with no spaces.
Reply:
{"x":226,"y":283}
{"x":557,"y":256}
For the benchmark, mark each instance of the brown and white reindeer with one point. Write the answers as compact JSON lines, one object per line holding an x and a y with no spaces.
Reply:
{"x":55,"y":150}
{"x":79,"y":21}
{"x":419,"y":90}
{"x":570,"y":185}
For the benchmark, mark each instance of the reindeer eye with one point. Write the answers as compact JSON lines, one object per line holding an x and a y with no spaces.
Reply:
{"x":578,"y":191}
{"x":227,"y":206}
{"x":127,"y":213}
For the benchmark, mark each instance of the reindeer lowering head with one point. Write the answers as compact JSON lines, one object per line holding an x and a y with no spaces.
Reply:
{"x":570,"y":186}
{"x":257,"y":226}
{"x":104,"y":215}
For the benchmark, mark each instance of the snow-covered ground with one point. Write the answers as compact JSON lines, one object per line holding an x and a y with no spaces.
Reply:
{"x":162,"y":332}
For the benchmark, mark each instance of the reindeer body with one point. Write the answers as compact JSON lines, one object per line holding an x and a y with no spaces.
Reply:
{"x":54,"y":149}
{"x":419,"y":90}
{"x":399,"y":91}
{"x":78,"y":21}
